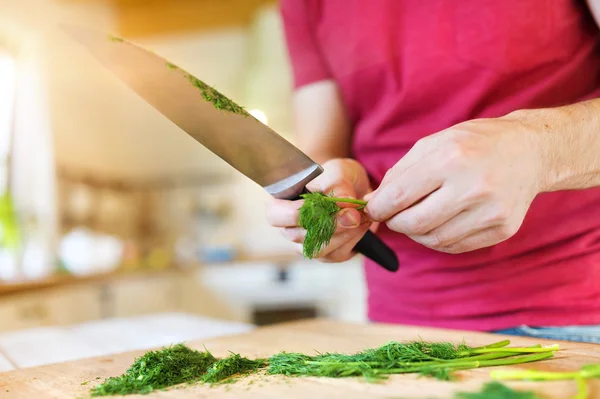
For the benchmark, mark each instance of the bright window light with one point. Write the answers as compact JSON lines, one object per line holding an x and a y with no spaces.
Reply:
{"x":258,"y":114}
{"x":7,"y":99}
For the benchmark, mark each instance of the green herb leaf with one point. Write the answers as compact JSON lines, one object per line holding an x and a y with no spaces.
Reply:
{"x":232,"y":365}
{"x":497,"y":390}
{"x":115,"y":39}
{"x":213,"y":96}
{"x":318,"y":217}
{"x":157,"y":370}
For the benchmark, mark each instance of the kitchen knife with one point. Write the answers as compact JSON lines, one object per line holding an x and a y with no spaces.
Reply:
{"x":227,"y":130}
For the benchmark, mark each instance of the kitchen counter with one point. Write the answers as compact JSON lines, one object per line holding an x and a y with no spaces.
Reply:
{"x":64,"y":380}
{"x":48,"y":345}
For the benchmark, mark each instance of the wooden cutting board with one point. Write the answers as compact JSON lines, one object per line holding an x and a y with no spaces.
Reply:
{"x":65,"y":380}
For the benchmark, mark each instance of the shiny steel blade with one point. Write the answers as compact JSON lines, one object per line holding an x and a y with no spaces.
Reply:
{"x":241,"y":140}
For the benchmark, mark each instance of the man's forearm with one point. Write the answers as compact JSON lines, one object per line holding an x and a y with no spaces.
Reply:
{"x":568,"y":143}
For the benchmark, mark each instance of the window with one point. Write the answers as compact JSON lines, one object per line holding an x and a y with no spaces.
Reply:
{"x":7,"y":103}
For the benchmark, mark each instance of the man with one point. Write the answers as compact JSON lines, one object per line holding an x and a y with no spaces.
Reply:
{"x":477,"y":126}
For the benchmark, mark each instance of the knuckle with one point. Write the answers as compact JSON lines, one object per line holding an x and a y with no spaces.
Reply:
{"x":452,"y":250}
{"x":413,"y":225}
{"x":433,"y":239}
{"x":507,"y":230}
{"x":293,"y":234}
{"x":480,"y":191}
{"x":499,"y":216}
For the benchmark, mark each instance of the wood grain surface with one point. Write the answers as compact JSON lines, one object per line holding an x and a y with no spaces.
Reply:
{"x":65,"y":380}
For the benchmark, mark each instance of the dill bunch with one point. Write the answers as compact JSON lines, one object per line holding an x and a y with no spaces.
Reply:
{"x":435,"y":359}
{"x":223,"y":369}
{"x":157,"y":370}
{"x":318,"y":216}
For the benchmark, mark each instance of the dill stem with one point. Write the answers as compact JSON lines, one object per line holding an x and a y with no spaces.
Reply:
{"x":517,"y":350}
{"x":499,"y":344}
{"x":545,"y":375}
{"x":471,"y":364}
{"x":347,"y":200}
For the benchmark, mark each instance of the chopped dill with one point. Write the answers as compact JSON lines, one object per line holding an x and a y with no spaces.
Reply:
{"x":222,"y":370}
{"x":157,"y":370}
{"x":211,"y":94}
{"x":115,"y":39}
{"x":171,"y":66}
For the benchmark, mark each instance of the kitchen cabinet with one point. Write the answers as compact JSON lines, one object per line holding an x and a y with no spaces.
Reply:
{"x":233,"y":292}
{"x":146,"y":295}
{"x":50,"y":307}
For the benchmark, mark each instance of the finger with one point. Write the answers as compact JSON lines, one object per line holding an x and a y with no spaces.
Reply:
{"x":341,"y":244}
{"x":467,"y":223}
{"x":482,"y":239}
{"x":346,"y":251}
{"x":346,"y":219}
{"x":294,"y":234}
{"x":429,"y":214}
{"x":283,"y":213}
{"x":333,"y":179}
{"x":401,"y":192}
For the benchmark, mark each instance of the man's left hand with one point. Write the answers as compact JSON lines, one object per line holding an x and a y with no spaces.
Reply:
{"x":464,"y":188}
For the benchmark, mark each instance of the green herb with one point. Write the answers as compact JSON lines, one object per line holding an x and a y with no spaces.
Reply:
{"x":436,"y":359}
{"x":232,"y":365}
{"x":580,"y":376}
{"x":171,"y":66}
{"x":157,"y":370}
{"x":318,"y":216}
{"x":178,"y":364}
{"x":497,"y":390}
{"x":115,"y":39}
{"x":85,"y":382}
{"x":211,"y":94}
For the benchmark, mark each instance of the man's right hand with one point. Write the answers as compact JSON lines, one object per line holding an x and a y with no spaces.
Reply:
{"x":344,"y":177}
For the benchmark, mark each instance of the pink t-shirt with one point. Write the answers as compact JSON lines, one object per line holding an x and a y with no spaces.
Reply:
{"x":410,"y":68}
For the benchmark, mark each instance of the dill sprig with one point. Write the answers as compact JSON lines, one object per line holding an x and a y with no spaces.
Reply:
{"x":318,"y":216}
{"x":157,"y":370}
{"x":223,"y":369}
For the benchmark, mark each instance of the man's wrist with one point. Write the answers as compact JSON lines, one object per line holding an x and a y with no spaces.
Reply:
{"x":537,"y":131}
{"x":565,"y":144}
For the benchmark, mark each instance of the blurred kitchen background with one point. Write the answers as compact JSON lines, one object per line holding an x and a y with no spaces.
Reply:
{"x":109,"y":212}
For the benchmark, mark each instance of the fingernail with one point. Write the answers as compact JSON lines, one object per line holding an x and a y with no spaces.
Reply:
{"x":346,"y":219}
{"x":369,"y":196}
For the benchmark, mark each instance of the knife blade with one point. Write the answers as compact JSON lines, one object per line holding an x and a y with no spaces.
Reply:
{"x":226,"y":129}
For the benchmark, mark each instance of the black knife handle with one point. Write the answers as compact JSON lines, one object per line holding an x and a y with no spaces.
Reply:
{"x":373,"y":248}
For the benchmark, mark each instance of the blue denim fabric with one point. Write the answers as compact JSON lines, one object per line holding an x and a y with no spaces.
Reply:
{"x":589,"y":333}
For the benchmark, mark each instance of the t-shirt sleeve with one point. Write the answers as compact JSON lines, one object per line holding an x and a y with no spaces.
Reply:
{"x":305,"y":56}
